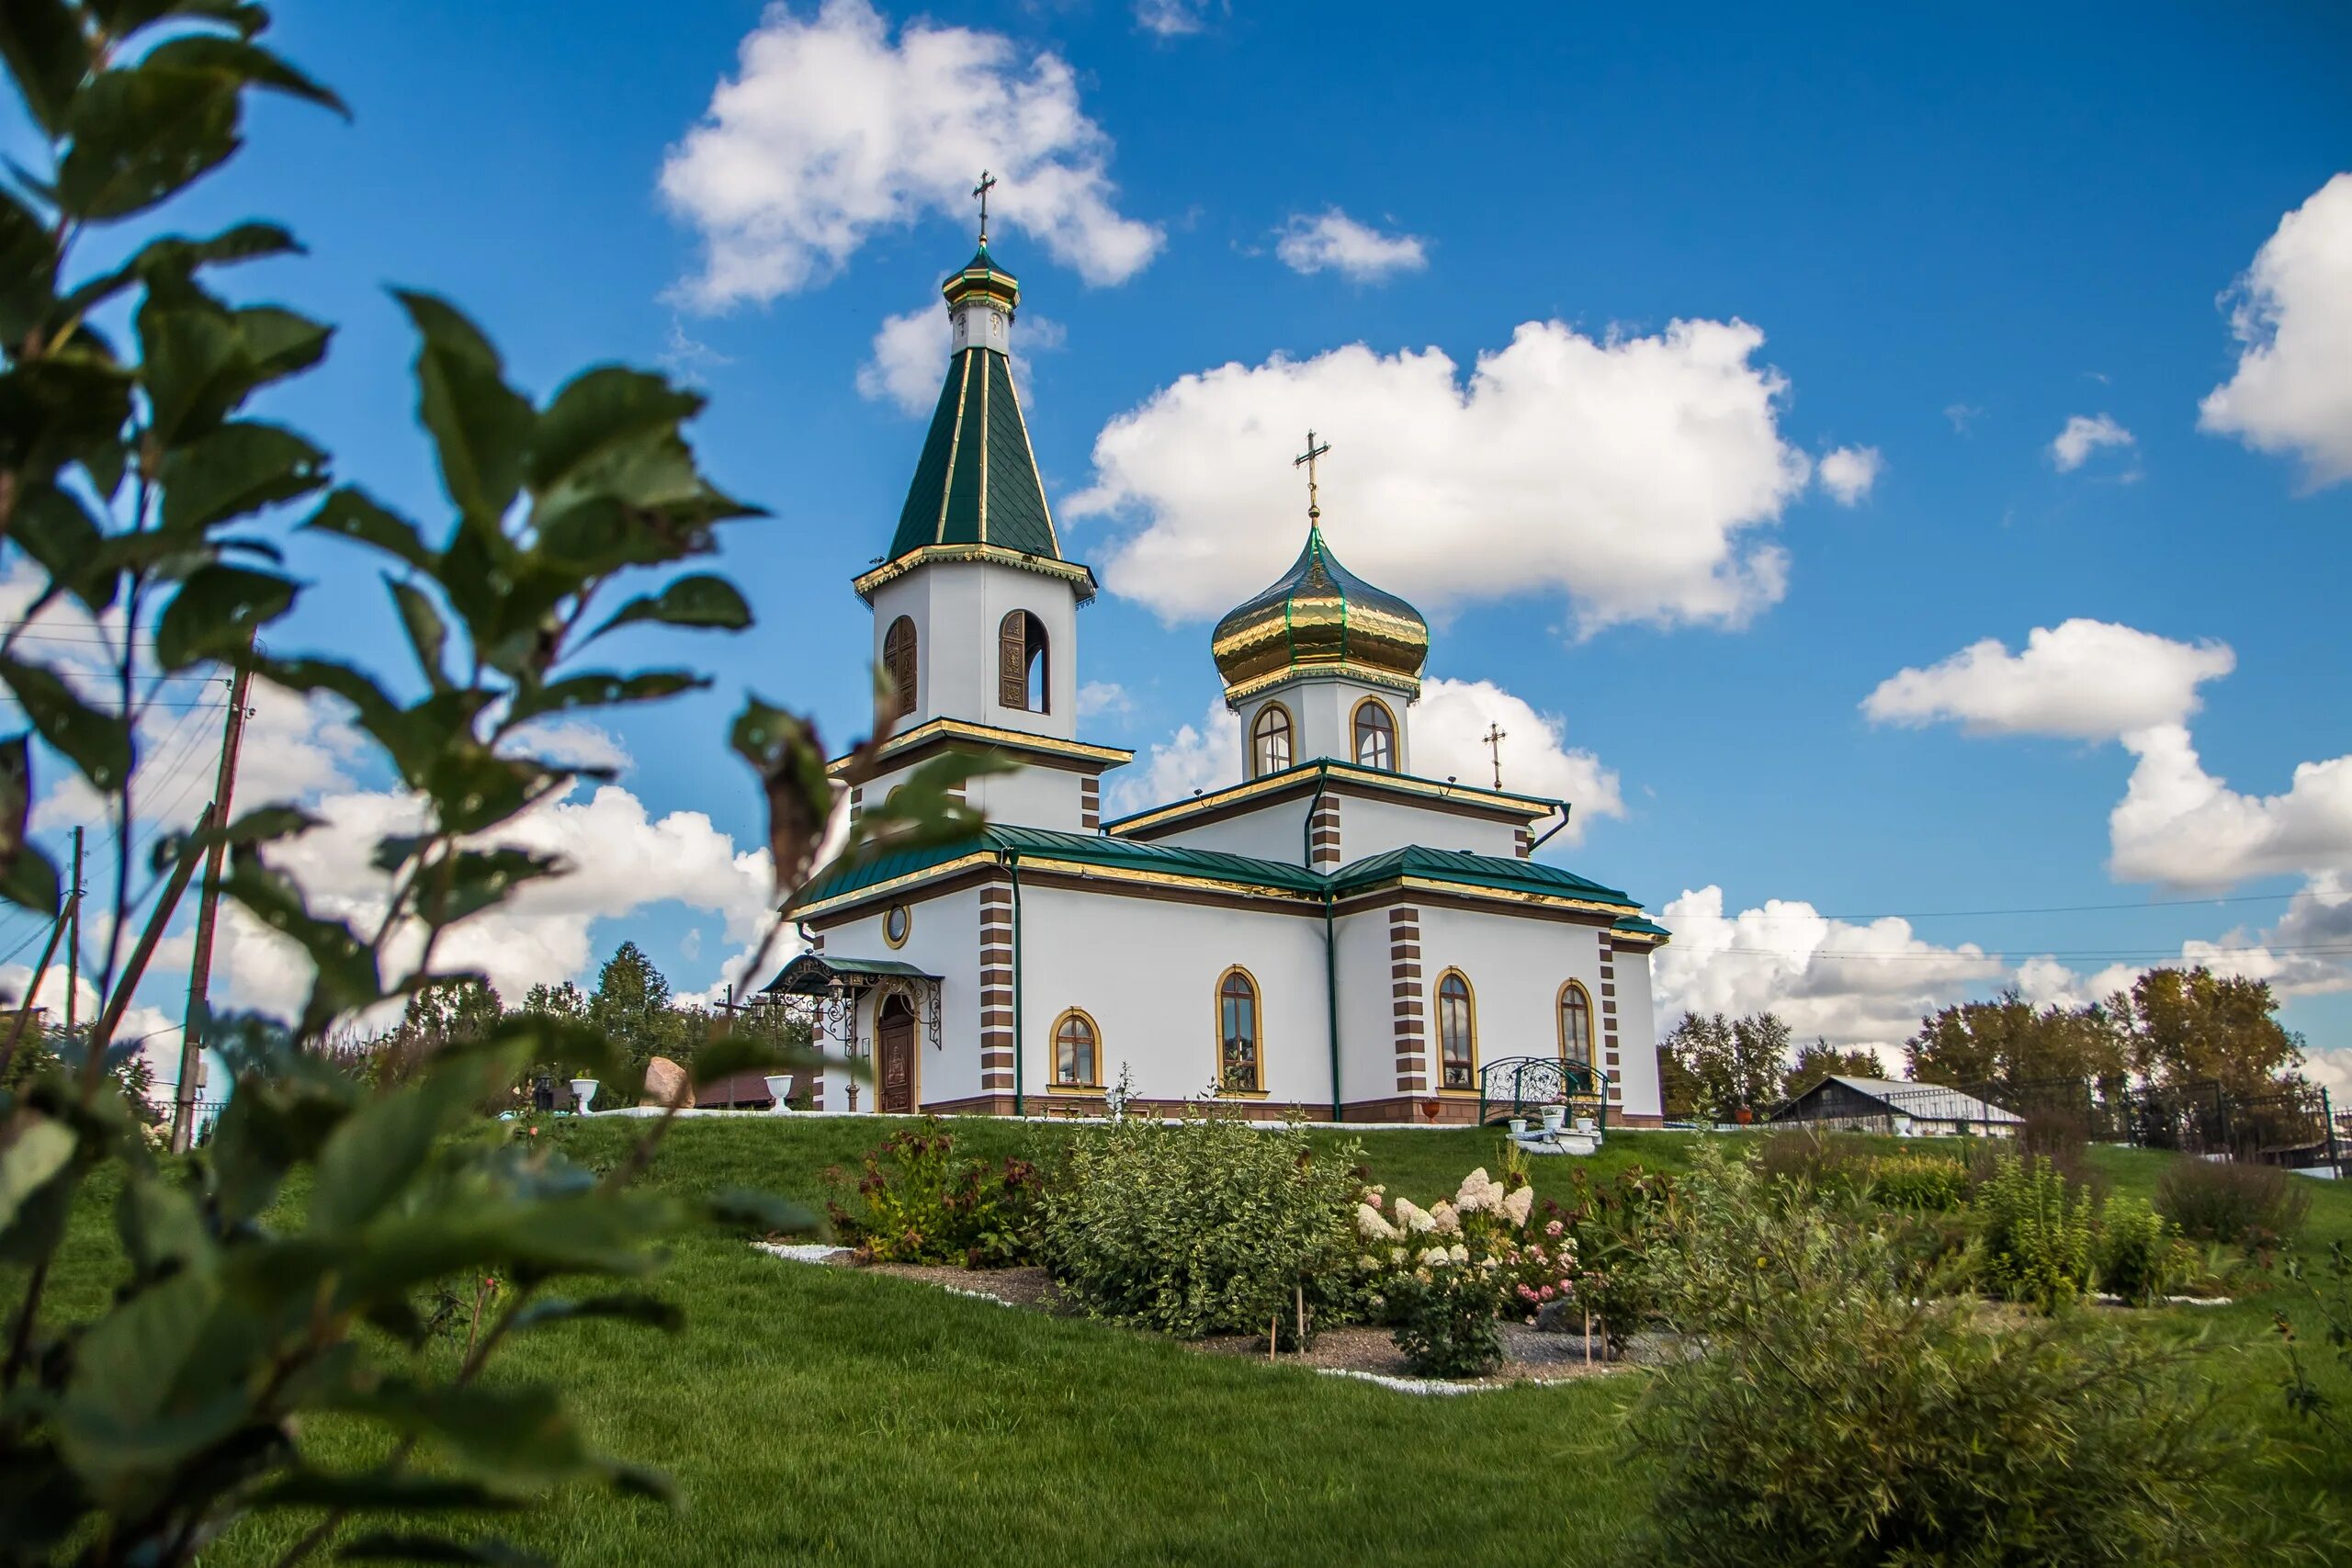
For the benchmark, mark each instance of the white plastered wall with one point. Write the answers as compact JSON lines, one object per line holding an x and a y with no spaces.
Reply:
{"x":1147,"y":971}
{"x":942,"y":939}
{"x":1367,"y":1007}
{"x":1276,"y":831}
{"x":1369,"y":828}
{"x":1516,"y":965}
{"x":957,"y":608}
{"x":1636,"y":1069}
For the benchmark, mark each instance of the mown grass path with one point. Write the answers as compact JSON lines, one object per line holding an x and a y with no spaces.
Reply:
{"x":812,"y":1415}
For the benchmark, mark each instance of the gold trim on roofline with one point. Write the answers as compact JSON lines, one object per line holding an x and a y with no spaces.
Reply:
{"x":987,"y":734}
{"x":928,"y":555}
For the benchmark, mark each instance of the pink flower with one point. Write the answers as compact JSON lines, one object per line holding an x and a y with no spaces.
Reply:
{"x":1527,"y":1293}
{"x":1546,"y":1293}
{"x":1553,"y":1229}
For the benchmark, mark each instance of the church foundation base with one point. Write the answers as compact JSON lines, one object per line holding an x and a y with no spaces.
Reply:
{"x":1399,"y":1111}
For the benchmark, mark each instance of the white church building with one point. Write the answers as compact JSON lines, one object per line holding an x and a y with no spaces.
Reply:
{"x":1330,"y":932}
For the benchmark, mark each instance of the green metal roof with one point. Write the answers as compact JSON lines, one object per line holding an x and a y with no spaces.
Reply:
{"x":1476,"y":871}
{"x":976,"y":483}
{"x":1090,"y":849}
{"x":1457,"y":866}
{"x":816,"y":968}
{"x":1645,"y":927}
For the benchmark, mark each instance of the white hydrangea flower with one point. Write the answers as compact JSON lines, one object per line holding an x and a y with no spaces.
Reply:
{"x":1445,"y":1220}
{"x":1458,"y":1253}
{"x":1518,"y":1205}
{"x":1417,"y":1219}
{"x":1371,"y":1223}
{"x":1478,"y":1191}
{"x":1435,"y":1257}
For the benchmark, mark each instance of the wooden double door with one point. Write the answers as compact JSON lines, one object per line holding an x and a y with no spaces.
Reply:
{"x":894,"y":1052}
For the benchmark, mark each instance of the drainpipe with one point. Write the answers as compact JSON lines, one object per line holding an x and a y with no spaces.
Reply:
{"x":1549,"y":831}
{"x":1330,"y":941}
{"x":1331,"y":1000}
{"x":1019,"y":1104}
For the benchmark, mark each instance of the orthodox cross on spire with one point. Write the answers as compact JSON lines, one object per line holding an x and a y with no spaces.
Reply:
{"x":1307,"y":460}
{"x":988,"y":183}
{"x":1494,"y":738}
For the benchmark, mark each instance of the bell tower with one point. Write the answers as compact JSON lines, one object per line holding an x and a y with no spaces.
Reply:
{"x":975,"y":607}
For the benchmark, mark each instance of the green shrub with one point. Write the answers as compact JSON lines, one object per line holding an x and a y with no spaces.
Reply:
{"x":1205,"y":1225}
{"x":2244,"y":1205}
{"x":2140,"y":1255}
{"x":922,"y":1205}
{"x":2036,"y":1232}
{"x":1830,"y":1164}
{"x":1925,"y":1183}
{"x":1841,"y":1415}
{"x":1443,"y":1274}
{"x":1611,"y":1226}
{"x":1447,"y":1320}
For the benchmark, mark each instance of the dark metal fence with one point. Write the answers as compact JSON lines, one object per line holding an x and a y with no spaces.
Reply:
{"x":2294,"y":1126}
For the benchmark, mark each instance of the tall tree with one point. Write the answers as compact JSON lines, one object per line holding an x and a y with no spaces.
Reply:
{"x":1719,"y":1064}
{"x":1821,"y":1060}
{"x":2009,"y":1040}
{"x":633,"y":1006}
{"x":2184,"y":1026}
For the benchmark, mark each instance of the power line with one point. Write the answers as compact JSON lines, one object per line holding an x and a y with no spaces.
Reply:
{"x":2065,"y":908}
{"x":1948,"y":955}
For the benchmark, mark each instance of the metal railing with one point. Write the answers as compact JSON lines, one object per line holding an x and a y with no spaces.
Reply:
{"x":1515,"y":1085}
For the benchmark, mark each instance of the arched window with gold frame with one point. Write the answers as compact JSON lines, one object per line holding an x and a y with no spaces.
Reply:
{"x":1270,"y":740}
{"x":1023,"y":674}
{"x":1240,"y":1056}
{"x":899,"y":664}
{"x":1374,"y":745}
{"x":1457,"y":1032}
{"x":1576,"y":1024}
{"x":1078,"y":1051}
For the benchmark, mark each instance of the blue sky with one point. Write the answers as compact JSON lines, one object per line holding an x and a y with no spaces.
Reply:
{"x":1953,"y":240}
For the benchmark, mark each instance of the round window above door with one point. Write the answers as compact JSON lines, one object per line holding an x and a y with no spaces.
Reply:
{"x":897,"y":922}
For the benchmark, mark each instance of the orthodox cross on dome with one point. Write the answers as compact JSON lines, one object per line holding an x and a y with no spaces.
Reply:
{"x":988,"y":183}
{"x":1494,"y":738}
{"x":1307,"y":460}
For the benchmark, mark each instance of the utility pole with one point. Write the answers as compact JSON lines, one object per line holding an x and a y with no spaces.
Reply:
{"x":73,"y":937}
{"x":207,"y":910}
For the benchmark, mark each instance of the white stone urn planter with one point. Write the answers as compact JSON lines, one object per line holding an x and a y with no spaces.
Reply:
{"x":779,"y":1089}
{"x":1519,"y":1126}
{"x":583,"y":1094}
{"x":1553,"y":1117}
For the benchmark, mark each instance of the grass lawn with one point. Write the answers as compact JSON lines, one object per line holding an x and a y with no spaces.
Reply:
{"x":843,"y":1417}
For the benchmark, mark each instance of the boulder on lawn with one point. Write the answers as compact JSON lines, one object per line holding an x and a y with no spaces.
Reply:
{"x":666,"y":1083}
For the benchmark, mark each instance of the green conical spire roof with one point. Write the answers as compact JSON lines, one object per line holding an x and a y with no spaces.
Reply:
{"x":976,"y":482}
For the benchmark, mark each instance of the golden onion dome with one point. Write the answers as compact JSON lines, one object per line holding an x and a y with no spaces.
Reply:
{"x":1320,"y":618}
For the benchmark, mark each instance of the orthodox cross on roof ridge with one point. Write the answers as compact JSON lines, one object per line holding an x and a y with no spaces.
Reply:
{"x":988,"y":183}
{"x":1307,"y":460}
{"x":1494,"y":738}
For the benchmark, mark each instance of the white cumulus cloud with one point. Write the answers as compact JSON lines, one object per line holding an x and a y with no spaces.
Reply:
{"x":1849,"y":473}
{"x":1639,"y":475}
{"x":831,"y":131}
{"x":2083,"y":680}
{"x":2291,"y":313}
{"x":2084,"y":434}
{"x":907,"y":364}
{"x":2179,"y":825}
{"x":1334,"y":242}
{"x":1850,"y":984}
{"x":1448,"y":729}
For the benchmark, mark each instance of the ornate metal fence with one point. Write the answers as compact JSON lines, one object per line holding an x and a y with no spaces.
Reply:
{"x":1517,"y":1085}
